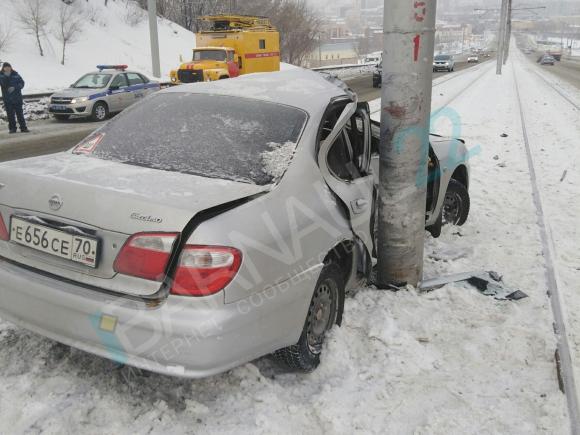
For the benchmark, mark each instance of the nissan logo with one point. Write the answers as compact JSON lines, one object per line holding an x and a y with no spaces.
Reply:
{"x":55,"y":202}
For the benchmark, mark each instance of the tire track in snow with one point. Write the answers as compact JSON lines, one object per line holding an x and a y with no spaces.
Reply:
{"x":565,"y":367}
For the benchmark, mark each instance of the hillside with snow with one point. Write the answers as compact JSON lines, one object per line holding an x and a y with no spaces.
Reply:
{"x":114,"y":34}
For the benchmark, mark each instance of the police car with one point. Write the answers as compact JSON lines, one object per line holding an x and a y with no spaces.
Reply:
{"x":97,"y":94}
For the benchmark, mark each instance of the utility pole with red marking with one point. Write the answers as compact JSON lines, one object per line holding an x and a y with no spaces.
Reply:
{"x":408,"y":45}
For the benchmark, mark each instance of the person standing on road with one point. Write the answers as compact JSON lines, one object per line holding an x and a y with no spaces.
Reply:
{"x":11,"y":84}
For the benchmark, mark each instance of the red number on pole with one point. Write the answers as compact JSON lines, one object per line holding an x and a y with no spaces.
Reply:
{"x":422,"y":7}
{"x":416,"y":42}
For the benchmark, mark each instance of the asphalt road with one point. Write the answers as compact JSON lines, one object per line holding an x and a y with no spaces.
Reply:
{"x":50,"y":136}
{"x":363,"y":85}
{"x":567,"y":70}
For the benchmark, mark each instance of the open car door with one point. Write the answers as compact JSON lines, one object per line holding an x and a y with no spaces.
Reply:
{"x":344,"y":160}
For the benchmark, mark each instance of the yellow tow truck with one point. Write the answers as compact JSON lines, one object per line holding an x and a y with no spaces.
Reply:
{"x":234,"y":45}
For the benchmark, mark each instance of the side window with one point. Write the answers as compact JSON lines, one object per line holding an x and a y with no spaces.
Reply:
{"x":262,"y":44}
{"x":145,"y":79}
{"x":230,"y":56}
{"x":120,"y":81}
{"x":339,"y":159}
{"x":357,"y":129}
{"x":134,"y":79}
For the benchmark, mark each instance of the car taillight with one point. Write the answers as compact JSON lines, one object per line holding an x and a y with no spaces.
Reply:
{"x":205,"y":270}
{"x":4,"y":235}
{"x":145,"y":255}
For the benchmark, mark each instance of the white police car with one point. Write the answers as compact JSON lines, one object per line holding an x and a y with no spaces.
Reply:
{"x":97,"y":94}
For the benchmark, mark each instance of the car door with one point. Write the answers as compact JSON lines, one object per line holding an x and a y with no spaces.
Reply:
{"x":119,"y":95}
{"x":136,"y":87}
{"x":344,"y":161}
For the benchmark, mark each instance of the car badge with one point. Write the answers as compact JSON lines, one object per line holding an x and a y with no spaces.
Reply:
{"x":55,"y":202}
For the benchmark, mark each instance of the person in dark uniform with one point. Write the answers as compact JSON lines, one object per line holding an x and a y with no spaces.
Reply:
{"x":11,"y":84}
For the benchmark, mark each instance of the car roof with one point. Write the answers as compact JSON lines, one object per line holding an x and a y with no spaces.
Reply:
{"x":305,"y":89}
{"x":113,"y":71}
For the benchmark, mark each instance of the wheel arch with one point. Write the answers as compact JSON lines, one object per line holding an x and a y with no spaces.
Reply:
{"x":460,"y":174}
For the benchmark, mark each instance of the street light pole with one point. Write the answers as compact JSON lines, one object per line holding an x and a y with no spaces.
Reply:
{"x":152,"y":8}
{"x":508,"y":32}
{"x":501,"y":36}
{"x":408,"y":44}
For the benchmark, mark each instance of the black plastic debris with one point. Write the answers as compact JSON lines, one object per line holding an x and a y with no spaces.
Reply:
{"x":503,"y":135}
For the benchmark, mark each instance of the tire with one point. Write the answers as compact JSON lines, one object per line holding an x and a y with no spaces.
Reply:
{"x":100,"y":111}
{"x":456,"y":204}
{"x":61,"y":117}
{"x":325,"y":310}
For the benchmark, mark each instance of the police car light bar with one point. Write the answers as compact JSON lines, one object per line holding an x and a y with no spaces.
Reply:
{"x":118,"y":67}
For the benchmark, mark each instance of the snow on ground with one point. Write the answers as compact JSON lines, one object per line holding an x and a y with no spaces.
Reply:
{"x":450,"y":361}
{"x":106,"y":38}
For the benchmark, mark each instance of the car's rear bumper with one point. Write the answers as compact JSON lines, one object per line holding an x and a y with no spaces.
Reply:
{"x":189,"y":337}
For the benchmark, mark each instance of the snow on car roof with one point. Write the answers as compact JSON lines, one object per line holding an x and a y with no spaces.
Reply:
{"x":305,"y":89}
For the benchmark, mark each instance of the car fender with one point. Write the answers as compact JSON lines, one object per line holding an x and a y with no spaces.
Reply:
{"x":451,"y":153}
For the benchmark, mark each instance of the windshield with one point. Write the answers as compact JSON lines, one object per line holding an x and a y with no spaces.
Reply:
{"x":212,"y":136}
{"x":442,"y":57}
{"x":219,"y":55}
{"x":92,"y":81}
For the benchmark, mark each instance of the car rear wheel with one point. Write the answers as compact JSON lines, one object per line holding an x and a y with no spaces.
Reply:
{"x":456,"y":204}
{"x":100,"y":111}
{"x":325,"y":310}
{"x":61,"y":117}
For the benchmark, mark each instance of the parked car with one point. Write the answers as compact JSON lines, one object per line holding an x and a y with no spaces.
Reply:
{"x":547,"y":60}
{"x":378,"y":76}
{"x":191,"y":240}
{"x":473,"y":58}
{"x":443,"y":62}
{"x":99,"y":93}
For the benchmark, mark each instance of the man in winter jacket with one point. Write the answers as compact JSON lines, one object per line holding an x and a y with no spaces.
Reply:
{"x":11,"y":84}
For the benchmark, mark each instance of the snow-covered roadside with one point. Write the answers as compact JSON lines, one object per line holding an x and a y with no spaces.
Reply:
{"x":450,"y":361}
{"x":553,"y":131}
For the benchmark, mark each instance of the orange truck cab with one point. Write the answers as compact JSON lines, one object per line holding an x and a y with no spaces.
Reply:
{"x":234,"y":45}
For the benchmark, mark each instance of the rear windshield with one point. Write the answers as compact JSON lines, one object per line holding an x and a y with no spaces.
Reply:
{"x":213,"y":136}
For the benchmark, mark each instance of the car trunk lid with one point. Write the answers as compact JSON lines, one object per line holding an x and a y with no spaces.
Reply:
{"x":108,"y":201}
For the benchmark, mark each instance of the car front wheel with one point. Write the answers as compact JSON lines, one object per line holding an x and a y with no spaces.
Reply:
{"x":456,"y":204}
{"x":325,"y":310}
{"x":100,"y":111}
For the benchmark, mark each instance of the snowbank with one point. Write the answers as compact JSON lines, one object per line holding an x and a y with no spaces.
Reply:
{"x":106,"y":38}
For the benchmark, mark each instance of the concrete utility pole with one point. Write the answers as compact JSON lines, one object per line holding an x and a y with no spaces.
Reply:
{"x":508,"y":32}
{"x":409,"y":38}
{"x":501,"y":35}
{"x":152,"y":7}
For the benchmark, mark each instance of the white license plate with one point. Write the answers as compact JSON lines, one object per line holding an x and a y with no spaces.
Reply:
{"x":79,"y":249}
{"x":58,"y":107}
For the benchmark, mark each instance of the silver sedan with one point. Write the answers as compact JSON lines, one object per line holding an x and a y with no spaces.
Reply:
{"x":210,"y":225}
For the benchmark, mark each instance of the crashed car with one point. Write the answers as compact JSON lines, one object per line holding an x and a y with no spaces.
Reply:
{"x":189,"y":241}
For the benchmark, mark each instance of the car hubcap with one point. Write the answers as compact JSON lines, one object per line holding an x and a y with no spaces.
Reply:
{"x":101,"y":112}
{"x":452,"y":207}
{"x":321,"y":316}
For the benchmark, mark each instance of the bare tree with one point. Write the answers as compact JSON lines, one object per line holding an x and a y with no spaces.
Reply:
{"x":68,"y":28}
{"x":34,"y":17}
{"x":5,"y":37}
